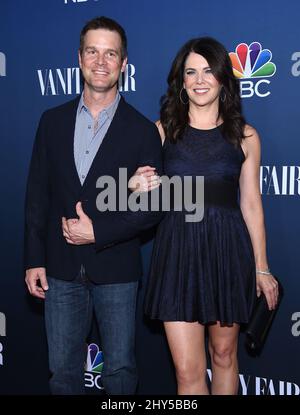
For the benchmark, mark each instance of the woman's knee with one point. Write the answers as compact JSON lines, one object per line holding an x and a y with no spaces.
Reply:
{"x":188,"y":372}
{"x":223,"y":355}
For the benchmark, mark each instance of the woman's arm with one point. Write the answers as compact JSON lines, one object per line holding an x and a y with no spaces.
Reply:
{"x":145,"y":178}
{"x":161,"y":131}
{"x":252,"y":210}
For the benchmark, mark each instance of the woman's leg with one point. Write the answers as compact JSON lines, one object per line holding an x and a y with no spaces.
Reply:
{"x":223,"y":344}
{"x":186,"y":342}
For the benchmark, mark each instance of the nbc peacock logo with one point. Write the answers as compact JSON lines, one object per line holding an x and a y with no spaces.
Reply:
{"x":253,"y":63}
{"x":93,"y":367}
{"x":94,"y":361}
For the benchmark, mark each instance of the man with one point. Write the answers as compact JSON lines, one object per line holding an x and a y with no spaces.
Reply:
{"x":77,"y":258}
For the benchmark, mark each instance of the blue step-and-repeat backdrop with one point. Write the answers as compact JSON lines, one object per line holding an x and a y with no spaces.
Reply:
{"x":39,"y":69}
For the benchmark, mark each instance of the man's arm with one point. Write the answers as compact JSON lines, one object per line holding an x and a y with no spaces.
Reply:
{"x":36,"y":212}
{"x":113,"y":227}
{"x":109,"y":228}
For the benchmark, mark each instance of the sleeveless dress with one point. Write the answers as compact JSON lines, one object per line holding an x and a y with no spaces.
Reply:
{"x":203,"y":271}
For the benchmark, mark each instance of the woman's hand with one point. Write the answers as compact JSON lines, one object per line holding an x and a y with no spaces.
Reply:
{"x":269,"y":286}
{"x":144,"y":179}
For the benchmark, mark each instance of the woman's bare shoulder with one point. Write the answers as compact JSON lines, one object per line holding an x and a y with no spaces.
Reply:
{"x":251,"y":142}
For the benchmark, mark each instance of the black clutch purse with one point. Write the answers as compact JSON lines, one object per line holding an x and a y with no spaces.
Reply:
{"x":260,"y":322}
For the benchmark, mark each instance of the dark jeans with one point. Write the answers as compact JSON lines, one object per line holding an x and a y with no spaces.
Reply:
{"x":68,"y":314}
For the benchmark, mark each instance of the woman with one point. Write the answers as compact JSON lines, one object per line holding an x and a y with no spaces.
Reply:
{"x":206,"y":274}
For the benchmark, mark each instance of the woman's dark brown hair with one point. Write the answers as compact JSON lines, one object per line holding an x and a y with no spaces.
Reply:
{"x":174,"y":115}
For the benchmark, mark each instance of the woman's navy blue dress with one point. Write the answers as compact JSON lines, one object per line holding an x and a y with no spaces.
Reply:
{"x":203,"y":271}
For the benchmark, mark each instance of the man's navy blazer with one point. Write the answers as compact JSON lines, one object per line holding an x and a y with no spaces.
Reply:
{"x":54,"y":188}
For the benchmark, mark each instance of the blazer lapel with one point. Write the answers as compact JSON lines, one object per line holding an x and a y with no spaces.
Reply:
{"x":109,"y":147}
{"x":68,"y":142}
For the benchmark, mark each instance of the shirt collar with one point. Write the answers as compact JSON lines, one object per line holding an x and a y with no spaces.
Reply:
{"x":109,"y":111}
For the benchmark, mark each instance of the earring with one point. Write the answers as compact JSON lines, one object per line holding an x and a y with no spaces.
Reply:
{"x":223,"y":95}
{"x":180,"y":97}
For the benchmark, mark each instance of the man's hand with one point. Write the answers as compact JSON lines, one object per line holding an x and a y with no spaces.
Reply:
{"x":33,"y":277}
{"x":78,"y":231}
